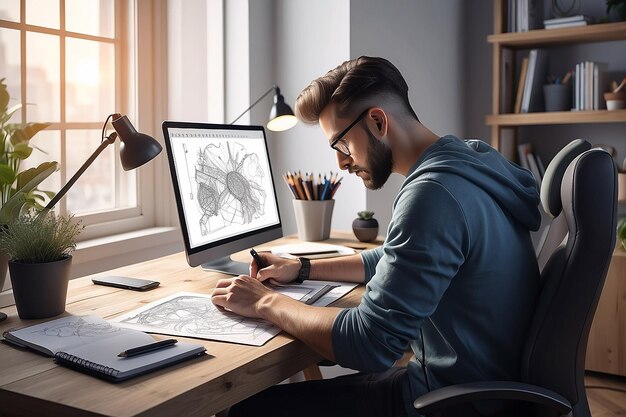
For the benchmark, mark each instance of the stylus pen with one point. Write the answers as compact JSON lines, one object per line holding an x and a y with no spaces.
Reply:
{"x":140,"y":350}
{"x":257,"y":258}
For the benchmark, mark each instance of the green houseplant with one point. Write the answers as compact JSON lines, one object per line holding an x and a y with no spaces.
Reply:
{"x":18,"y":188}
{"x":365,"y":226}
{"x":40,"y":247}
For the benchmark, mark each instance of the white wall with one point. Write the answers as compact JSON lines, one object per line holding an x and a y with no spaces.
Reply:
{"x":424,"y":40}
{"x":311,"y":37}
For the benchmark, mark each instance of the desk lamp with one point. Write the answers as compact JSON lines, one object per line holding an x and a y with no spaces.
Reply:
{"x":281,"y":115}
{"x":136,"y":149}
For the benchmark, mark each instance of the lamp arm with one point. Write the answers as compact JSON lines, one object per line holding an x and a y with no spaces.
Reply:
{"x":108,"y":141}
{"x":272,"y":88}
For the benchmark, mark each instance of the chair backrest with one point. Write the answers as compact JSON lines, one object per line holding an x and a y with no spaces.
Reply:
{"x":555,"y":231}
{"x":572,"y":279}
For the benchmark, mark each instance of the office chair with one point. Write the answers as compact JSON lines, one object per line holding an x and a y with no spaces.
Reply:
{"x":553,"y":361}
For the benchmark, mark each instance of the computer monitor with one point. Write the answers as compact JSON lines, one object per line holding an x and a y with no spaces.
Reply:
{"x":224,"y":191}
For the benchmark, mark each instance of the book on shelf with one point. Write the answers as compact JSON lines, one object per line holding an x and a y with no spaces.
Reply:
{"x":531,"y":161}
{"x":570,"y":21}
{"x":532,"y":99}
{"x":507,"y":74}
{"x":589,"y":85}
{"x":520,"y":85}
{"x":524,"y":15}
{"x":92,"y":345}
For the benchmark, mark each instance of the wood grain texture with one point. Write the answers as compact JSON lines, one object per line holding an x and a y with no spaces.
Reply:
{"x":33,"y":385}
{"x":606,"y":350}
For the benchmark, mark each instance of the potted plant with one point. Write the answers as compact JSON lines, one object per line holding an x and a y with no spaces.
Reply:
{"x":619,"y":6}
{"x":18,"y":189}
{"x":39,"y":246}
{"x":365,"y":227}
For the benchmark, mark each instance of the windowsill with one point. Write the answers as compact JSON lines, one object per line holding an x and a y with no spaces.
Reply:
{"x":101,"y":254}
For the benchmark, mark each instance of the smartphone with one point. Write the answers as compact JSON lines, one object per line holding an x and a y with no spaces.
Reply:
{"x":128,"y":283}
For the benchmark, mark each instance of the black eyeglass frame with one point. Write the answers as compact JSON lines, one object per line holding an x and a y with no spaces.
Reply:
{"x":344,"y":132}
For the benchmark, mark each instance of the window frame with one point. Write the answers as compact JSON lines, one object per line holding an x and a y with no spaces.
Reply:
{"x":133,"y":35}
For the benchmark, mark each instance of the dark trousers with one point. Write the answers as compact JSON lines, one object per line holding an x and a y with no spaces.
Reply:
{"x":363,"y":395}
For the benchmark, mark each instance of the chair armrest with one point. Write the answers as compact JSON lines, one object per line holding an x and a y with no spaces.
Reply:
{"x":440,"y":399}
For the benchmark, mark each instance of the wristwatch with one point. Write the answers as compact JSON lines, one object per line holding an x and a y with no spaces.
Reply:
{"x":305,"y":269}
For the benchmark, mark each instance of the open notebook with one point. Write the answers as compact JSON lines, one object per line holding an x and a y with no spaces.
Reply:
{"x":91,"y":345}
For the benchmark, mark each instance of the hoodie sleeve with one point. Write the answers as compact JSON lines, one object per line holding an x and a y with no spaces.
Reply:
{"x":426,"y":245}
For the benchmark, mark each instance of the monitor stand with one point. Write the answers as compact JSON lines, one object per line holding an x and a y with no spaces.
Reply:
{"x":227,"y":266}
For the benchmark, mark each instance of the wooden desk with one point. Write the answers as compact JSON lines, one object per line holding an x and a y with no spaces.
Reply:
{"x":33,"y":385}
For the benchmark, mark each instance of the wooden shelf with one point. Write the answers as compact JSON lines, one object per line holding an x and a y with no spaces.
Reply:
{"x":602,"y":32}
{"x":558,"y":117}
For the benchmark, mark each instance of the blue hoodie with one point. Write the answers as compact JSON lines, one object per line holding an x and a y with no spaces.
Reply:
{"x":456,"y":278}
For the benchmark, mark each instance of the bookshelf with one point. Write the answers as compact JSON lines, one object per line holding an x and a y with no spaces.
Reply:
{"x":500,"y":40}
{"x":606,"y":350}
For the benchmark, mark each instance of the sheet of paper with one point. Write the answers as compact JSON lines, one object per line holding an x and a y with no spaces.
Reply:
{"x":194,"y":315}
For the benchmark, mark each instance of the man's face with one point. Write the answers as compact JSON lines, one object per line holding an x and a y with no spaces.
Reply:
{"x":367,"y":157}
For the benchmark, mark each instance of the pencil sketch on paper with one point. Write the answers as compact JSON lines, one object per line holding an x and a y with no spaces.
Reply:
{"x":190,"y":314}
{"x":228,"y":180}
{"x":77,"y":328}
{"x":194,"y":315}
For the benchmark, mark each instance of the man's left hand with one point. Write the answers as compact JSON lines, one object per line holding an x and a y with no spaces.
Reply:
{"x":241,"y":295}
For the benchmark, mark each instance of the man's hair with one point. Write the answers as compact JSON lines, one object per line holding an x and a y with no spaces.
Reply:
{"x":361,"y":80}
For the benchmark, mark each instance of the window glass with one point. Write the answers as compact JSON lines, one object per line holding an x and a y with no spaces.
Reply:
{"x":10,"y":64}
{"x":90,"y":80}
{"x":47,"y":148}
{"x":95,"y":188}
{"x":10,"y":10}
{"x":93,"y":17}
{"x":43,"y":13}
{"x":43,"y":88}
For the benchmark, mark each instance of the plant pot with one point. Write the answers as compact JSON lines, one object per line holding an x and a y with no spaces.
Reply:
{"x":40,"y":289}
{"x":4,"y":268}
{"x":615,"y":101}
{"x":365,"y":230}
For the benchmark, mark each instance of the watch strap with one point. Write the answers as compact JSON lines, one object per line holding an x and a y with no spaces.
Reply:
{"x":305,"y":269}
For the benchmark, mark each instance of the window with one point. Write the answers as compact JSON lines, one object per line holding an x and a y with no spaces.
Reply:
{"x":70,"y":63}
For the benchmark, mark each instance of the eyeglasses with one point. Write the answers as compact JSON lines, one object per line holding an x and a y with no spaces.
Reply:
{"x":338,"y":143}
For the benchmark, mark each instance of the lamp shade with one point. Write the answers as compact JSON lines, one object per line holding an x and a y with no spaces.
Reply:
{"x":136,"y":148}
{"x":281,"y":115}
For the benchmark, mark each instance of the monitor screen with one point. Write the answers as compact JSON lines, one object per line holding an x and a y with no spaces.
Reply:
{"x":224,"y":191}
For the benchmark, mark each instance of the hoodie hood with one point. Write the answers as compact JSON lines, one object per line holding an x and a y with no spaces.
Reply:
{"x":513,"y":187}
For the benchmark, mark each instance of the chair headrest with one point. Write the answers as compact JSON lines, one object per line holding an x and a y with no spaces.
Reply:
{"x":551,"y":183}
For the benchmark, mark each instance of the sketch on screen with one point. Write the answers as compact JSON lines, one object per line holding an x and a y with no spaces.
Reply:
{"x":229,"y":186}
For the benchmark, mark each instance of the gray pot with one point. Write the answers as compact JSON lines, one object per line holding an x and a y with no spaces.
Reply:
{"x":4,"y":268}
{"x":40,"y":289}
{"x":365,"y":230}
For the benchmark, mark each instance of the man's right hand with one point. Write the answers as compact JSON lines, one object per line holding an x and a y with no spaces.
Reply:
{"x":278,"y":269}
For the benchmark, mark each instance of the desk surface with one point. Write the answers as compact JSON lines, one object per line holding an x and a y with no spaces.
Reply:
{"x":31,"y":384}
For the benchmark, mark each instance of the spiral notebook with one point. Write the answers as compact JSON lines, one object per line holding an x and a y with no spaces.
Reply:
{"x":91,"y":344}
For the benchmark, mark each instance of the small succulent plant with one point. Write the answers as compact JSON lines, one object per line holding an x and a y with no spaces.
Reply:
{"x":365,"y":214}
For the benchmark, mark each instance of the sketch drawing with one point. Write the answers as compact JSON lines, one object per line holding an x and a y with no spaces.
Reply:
{"x":78,"y":328}
{"x":229,"y":186}
{"x":196,"y":316}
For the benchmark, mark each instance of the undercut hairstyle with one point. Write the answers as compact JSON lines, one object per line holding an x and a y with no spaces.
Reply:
{"x":360,"y":80}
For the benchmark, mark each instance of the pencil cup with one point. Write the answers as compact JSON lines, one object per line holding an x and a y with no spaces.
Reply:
{"x":313,"y":218}
{"x":557,"y":97}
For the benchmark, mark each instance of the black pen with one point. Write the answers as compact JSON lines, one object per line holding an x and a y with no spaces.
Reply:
{"x":140,"y":350}
{"x":257,"y":258}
